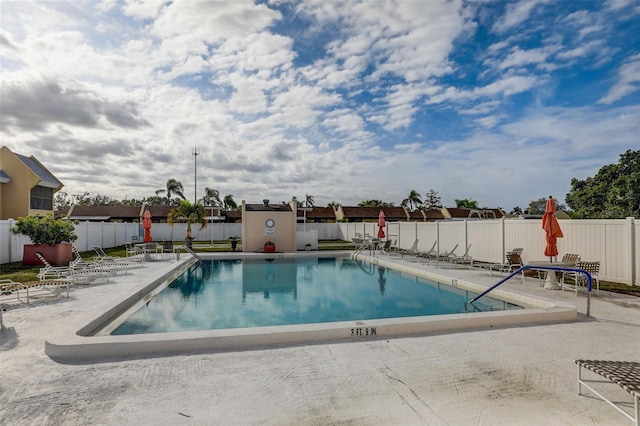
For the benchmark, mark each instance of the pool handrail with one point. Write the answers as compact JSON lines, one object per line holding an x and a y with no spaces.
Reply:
{"x":549,"y":268}
{"x":193,"y":253}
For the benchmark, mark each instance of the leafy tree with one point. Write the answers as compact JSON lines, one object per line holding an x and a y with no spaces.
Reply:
{"x":189,"y":213}
{"x":228,"y":203}
{"x":156,"y":200}
{"x":612,"y":193}
{"x":466,"y":203}
{"x":370,"y":203}
{"x":297,"y":202}
{"x":412,"y":201}
{"x":334,"y":205}
{"x":516,"y":210}
{"x":211,"y":197}
{"x":538,"y":206}
{"x":62,"y":201}
{"x":86,"y":199}
{"x":132,"y":202}
{"x":432,"y":201}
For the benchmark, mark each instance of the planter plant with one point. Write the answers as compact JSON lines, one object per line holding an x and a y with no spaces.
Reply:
{"x":50,"y":237}
{"x":189,"y":213}
{"x":234,"y":242}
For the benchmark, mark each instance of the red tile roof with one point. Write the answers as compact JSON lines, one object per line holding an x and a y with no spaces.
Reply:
{"x":371,"y":213}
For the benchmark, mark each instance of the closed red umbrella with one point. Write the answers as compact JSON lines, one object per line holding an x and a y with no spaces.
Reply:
{"x":146,"y":224}
{"x":381,"y":224}
{"x":552,"y":228}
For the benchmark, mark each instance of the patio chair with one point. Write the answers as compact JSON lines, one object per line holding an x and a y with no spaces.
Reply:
{"x":514,"y":262}
{"x":580,"y":279}
{"x":569,"y":258}
{"x":625,"y":374}
{"x":131,"y":250}
{"x":167,"y":246}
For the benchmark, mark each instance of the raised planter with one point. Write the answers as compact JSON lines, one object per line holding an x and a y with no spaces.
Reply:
{"x":57,"y":254}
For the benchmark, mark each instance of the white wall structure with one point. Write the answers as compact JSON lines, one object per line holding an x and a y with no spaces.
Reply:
{"x":613,"y":242}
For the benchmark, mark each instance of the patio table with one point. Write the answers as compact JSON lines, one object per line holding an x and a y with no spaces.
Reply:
{"x":550,"y":280}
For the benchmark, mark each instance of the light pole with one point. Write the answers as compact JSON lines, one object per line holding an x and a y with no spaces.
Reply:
{"x":195,"y":174}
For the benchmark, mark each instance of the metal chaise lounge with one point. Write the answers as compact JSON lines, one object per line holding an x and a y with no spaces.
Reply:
{"x":463,"y":259}
{"x":413,"y":250}
{"x":66,"y":274}
{"x":446,"y":256}
{"x":625,"y":374}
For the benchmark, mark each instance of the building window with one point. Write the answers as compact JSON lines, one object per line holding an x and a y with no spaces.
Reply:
{"x":41,"y":198}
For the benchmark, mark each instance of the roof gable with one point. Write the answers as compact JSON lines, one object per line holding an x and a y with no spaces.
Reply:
{"x":46,"y":178}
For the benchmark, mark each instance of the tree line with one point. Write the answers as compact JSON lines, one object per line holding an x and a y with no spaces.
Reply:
{"x":614,"y":192}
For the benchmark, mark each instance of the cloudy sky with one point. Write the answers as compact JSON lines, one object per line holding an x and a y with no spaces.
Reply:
{"x":501,"y":102}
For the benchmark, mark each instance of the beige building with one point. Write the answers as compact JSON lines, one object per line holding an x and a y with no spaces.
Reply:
{"x":26,"y":186}
{"x":262,"y":223}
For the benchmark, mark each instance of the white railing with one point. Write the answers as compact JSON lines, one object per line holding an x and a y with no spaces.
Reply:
{"x":613,"y":242}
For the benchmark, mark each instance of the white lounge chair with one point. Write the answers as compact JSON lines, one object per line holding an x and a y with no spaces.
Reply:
{"x":68,"y":273}
{"x":413,"y":250}
{"x":443,"y":256}
{"x":464,"y":259}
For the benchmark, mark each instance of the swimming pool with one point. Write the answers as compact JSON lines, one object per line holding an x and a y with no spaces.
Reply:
{"x":237,"y":293}
{"x":85,"y":334}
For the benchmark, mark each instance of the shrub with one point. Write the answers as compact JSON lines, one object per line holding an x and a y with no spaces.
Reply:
{"x":45,"y":230}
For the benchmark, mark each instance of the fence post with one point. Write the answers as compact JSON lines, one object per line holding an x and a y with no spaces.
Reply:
{"x":503,"y":237}
{"x":11,"y":236}
{"x":466,"y":236}
{"x":633,"y":256}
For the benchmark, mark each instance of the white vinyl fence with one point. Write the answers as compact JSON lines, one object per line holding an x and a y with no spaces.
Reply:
{"x":614,"y":242}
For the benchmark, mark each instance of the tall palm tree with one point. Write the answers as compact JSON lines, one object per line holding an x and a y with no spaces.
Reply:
{"x":211,"y":197}
{"x":174,"y":187}
{"x":228,"y":203}
{"x":413,"y":200}
{"x":309,"y":200}
{"x":189,"y":213}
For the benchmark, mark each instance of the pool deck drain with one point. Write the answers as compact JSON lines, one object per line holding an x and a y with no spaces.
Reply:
{"x":494,"y":375}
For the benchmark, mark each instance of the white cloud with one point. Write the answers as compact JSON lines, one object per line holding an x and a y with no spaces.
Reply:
{"x":516,"y":14}
{"x":627,"y":83}
{"x":279,"y":109}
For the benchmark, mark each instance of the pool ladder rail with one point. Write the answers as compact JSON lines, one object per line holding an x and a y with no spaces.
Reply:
{"x":547,"y":268}
{"x":193,"y":253}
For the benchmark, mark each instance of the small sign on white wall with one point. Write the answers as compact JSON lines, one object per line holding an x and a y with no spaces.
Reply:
{"x":269,"y":232}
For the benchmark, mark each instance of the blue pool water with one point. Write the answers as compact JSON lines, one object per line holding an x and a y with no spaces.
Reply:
{"x":222,"y":294}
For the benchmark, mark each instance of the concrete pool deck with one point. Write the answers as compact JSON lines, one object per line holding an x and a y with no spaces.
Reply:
{"x":493,"y":375}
